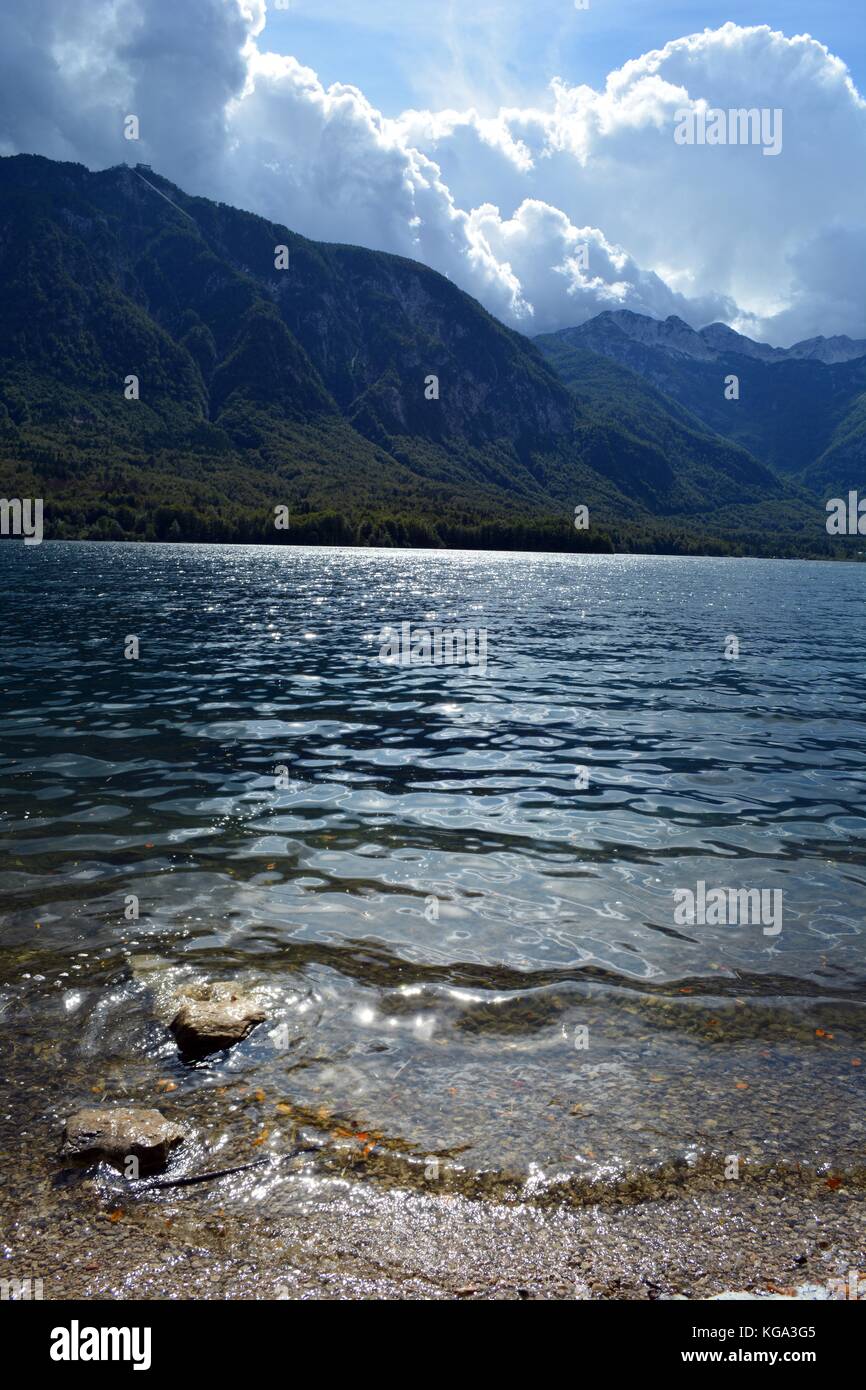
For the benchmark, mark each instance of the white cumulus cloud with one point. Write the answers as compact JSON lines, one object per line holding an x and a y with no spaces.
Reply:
{"x":548,"y":214}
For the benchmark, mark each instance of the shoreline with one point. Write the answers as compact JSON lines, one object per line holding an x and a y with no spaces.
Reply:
{"x":311,"y":1229}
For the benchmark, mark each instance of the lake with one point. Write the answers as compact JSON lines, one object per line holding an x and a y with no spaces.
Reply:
{"x":454,"y":887}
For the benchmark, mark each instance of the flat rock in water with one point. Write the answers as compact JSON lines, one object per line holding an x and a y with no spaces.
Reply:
{"x":118,"y":1134}
{"x":213,"y":1018}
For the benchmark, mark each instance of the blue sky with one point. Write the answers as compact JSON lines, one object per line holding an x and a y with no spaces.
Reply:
{"x":407,"y":53}
{"x":432,"y":129}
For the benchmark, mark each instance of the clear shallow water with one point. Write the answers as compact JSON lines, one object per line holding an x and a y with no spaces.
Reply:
{"x":555,"y":905}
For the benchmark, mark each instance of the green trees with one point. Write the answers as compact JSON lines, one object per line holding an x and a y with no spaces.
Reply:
{"x":304,"y":388}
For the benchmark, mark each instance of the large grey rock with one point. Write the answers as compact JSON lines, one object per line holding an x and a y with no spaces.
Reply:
{"x":213,"y":1017}
{"x":117,"y":1134}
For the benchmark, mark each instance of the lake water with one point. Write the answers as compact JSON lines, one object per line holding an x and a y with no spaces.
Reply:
{"x":468,"y":948}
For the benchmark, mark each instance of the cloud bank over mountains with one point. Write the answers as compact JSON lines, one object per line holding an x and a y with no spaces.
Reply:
{"x":547,"y":214}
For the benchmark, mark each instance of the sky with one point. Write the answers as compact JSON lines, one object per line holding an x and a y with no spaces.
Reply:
{"x":524,"y":148}
{"x":479,"y":52}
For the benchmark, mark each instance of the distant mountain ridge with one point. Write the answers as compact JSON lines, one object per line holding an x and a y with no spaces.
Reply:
{"x":800,"y":410}
{"x":363,"y":392}
{"x":717,"y":340}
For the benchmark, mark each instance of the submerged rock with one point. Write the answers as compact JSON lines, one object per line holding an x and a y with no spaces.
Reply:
{"x":214,"y":1017}
{"x":118,"y":1134}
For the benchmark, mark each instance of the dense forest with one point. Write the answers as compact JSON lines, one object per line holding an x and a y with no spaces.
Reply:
{"x":173,"y":369}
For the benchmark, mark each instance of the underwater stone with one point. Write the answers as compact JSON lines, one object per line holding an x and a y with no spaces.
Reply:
{"x":118,"y":1134}
{"x":213,"y":1019}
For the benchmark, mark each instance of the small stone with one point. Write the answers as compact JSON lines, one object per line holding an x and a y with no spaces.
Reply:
{"x":213,"y":1018}
{"x":118,"y":1134}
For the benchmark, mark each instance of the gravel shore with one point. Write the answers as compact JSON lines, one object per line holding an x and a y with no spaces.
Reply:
{"x":303,"y":1234}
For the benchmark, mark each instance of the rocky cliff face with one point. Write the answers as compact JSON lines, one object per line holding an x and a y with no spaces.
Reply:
{"x":132,"y":273}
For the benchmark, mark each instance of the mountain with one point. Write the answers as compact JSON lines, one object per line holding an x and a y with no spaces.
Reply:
{"x":829,"y":350}
{"x":666,"y":457}
{"x":674,"y":336}
{"x":162,"y":377}
{"x":721,"y":339}
{"x":801,"y":410}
